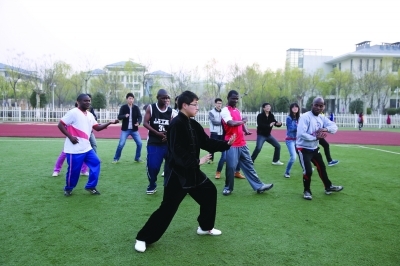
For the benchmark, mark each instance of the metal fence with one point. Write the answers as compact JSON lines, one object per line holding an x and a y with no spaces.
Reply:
{"x":46,"y":115}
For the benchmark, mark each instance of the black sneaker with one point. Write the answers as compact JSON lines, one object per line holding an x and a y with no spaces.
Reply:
{"x":67,"y":193}
{"x":307,"y":195}
{"x":264,"y":187}
{"x":93,"y":191}
{"x":333,"y":189}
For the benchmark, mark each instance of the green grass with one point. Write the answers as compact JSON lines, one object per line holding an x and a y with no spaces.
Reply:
{"x":358,"y":226}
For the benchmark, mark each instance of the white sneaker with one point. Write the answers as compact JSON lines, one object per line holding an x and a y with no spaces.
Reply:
{"x":140,"y":246}
{"x":85,"y":173}
{"x":55,"y":174}
{"x":162,"y":174}
{"x":212,"y":232}
{"x":286,"y":175}
{"x":277,"y":163}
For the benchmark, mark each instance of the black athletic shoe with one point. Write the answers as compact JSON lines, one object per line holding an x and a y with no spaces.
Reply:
{"x":93,"y":191}
{"x":333,"y":188}
{"x":67,"y":193}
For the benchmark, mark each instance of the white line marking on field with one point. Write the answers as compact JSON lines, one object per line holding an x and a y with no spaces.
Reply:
{"x":363,"y":147}
{"x":398,"y":153}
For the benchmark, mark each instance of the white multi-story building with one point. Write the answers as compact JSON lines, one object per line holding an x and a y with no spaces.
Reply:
{"x":129,"y":74}
{"x":366,"y":58}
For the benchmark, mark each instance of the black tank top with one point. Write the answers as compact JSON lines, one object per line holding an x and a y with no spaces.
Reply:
{"x":159,"y":120}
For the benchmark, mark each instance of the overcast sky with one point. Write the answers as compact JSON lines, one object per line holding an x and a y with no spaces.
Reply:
{"x":181,"y":34}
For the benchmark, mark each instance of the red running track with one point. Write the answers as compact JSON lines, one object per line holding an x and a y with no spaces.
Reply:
{"x":48,"y":130}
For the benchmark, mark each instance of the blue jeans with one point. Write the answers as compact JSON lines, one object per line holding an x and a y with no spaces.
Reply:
{"x":271,"y":140}
{"x":222,"y":161}
{"x":155,"y":156}
{"x":122,"y":139}
{"x":241,"y":156}
{"x":291,"y":145}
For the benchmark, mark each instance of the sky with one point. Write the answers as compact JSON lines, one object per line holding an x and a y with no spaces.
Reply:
{"x":172,"y":35}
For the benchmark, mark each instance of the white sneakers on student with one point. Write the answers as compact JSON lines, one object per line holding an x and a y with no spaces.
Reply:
{"x":212,"y":232}
{"x":140,"y":246}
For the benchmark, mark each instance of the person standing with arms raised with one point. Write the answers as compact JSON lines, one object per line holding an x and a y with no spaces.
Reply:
{"x":156,"y":120}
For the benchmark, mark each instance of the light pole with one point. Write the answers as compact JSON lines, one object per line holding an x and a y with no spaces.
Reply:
{"x":397,"y":97}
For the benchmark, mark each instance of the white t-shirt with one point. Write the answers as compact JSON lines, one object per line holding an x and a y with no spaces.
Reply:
{"x":80,"y":125}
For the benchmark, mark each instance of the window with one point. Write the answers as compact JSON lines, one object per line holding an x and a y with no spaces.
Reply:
{"x":340,"y":66}
{"x":373,"y":64}
{"x":367,"y":64}
{"x":360,"y":65}
{"x":351,"y":64}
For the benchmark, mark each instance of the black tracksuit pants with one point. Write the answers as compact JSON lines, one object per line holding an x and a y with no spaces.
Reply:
{"x":205,"y":195}
{"x":306,"y":157}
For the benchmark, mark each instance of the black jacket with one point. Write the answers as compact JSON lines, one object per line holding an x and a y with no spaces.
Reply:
{"x":185,"y":138}
{"x":263,"y":124}
{"x":136,"y":117}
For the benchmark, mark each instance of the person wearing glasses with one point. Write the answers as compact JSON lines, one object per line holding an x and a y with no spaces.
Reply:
{"x":312,"y":127}
{"x":183,"y":175}
{"x":156,"y":120}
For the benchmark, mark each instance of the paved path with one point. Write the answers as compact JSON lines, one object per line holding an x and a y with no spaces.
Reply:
{"x":48,"y":130}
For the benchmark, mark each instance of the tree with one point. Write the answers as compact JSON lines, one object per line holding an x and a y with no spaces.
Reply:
{"x":33,"y":101}
{"x":215,"y":78}
{"x":281,"y":104}
{"x":342,"y":83}
{"x":4,"y":89}
{"x":99,"y":101}
{"x":356,"y":106}
{"x":15,"y":72}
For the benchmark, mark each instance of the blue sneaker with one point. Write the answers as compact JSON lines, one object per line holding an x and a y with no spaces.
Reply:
{"x":333,"y":162}
{"x":226,"y":192}
{"x":151,"y":191}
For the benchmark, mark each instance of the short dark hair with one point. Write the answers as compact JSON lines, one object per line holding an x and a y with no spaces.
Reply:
{"x":232,"y":92}
{"x":129,"y":94}
{"x":186,"y":97}
{"x":264,"y":104}
{"x":217,"y":100}
{"x":90,"y":96}
{"x":81,"y":96}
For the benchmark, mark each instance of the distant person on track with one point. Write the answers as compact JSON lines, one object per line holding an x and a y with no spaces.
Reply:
{"x":360,"y":120}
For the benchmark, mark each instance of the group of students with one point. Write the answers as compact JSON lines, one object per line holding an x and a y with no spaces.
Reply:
{"x":185,"y":139}
{"x":265,"y":122}
{"x":178,"y":141}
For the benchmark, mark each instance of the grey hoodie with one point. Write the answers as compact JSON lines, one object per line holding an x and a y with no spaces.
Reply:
{"x":307,"y":128}
{"x":214,"y":117}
